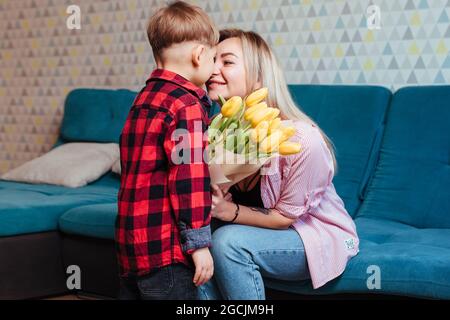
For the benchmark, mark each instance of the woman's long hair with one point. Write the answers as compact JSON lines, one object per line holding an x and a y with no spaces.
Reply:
{"x":262,"y":67}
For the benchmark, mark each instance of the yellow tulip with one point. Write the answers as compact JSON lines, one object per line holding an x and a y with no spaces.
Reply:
{"x":260,"y":132}
{"x":265,"y":114}
{"x":288,"y":132}
{"x":288,"y":148}
{"x":249,"y":112}
{"x":274,"y":125}
{"x":272,"y":142}
{"x":231,"y":107}
{"x":256,"y":97}
{"x":275,"y":113}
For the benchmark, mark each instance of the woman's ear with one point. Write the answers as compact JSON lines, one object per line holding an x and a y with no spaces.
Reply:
{"x":197,"y":55}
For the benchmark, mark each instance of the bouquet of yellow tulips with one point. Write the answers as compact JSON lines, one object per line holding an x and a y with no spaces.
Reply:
{"x":244,"y":136}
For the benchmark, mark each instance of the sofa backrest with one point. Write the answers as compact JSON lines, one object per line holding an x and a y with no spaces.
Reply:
{"x":411,"y":183}
{"x":353,"y":118}
{"x":95,"y":115}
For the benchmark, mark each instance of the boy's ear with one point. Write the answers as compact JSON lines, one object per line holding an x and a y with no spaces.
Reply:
{"x":197,"y":55}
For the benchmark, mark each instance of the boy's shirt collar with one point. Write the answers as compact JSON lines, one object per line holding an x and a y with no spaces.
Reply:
{"x":162,"y":74}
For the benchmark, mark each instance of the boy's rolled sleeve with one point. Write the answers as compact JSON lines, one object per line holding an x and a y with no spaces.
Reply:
{"x":193,"y":239}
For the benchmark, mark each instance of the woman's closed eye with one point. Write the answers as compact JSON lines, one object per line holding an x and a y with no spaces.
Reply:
{"x":228,"y":62}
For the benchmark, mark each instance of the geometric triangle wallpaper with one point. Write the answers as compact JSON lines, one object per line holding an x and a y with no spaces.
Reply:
{"x":321,"y":41}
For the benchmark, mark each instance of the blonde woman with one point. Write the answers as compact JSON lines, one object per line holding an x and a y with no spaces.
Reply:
{"x":285,"y":222}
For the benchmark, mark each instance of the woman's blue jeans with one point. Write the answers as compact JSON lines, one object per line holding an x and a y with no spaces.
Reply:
{"x":244,"y":255}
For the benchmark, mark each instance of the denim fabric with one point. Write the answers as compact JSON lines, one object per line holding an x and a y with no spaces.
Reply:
{"x":244,"y":256}
{"x":173,"y":282}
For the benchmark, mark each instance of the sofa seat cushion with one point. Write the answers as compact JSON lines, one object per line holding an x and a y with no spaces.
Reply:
{"x":96,"y":221}
{"x":30,"y":208}
{"x":412,"y":262}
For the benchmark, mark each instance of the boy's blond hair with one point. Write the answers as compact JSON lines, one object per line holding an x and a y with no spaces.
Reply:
{"x":179,"y":22}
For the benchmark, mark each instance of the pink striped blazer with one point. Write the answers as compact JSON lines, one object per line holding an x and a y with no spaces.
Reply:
{"x":300,"y":187}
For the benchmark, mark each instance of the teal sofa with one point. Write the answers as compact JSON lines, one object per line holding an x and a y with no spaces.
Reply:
{"x":393,"y":152}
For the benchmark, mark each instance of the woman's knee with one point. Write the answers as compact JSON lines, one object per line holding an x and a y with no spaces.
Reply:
{"x":228,"y":239}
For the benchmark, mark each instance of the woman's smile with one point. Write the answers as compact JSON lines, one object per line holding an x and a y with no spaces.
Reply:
{"x":214,"y":84}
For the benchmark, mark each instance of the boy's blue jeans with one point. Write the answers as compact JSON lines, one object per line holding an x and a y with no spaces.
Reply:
{"x":244,"y":255}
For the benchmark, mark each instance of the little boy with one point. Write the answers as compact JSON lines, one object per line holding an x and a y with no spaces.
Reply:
{"x":164,"y":202}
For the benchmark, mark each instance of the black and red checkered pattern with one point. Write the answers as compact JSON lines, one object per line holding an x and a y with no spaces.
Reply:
{"x":163,"y":206}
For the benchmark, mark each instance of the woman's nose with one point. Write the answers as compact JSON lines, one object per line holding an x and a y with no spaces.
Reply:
{"x":216,"y":70}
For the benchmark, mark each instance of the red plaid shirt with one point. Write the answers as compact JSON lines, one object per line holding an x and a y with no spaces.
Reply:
{"x":163,"y":207}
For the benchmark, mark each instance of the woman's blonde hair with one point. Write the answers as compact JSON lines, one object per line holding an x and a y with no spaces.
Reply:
{"x":261,"y":61}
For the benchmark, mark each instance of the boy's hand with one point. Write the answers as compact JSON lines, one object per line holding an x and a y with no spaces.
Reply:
{"x":204,"y":266}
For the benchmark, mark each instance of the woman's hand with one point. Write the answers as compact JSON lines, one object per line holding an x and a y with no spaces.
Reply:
{"x":222,"y":206}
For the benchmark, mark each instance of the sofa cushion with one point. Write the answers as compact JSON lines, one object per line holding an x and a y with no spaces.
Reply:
{"x":95,"y":114}
{"x":412,"y":179}
{"x":353,"y":118}
{"x":95,"y":221}
{"x":71,"y":165}
{"x":411,"y":261}
{"x":116,"y":167}
{"x":29,"y":208}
